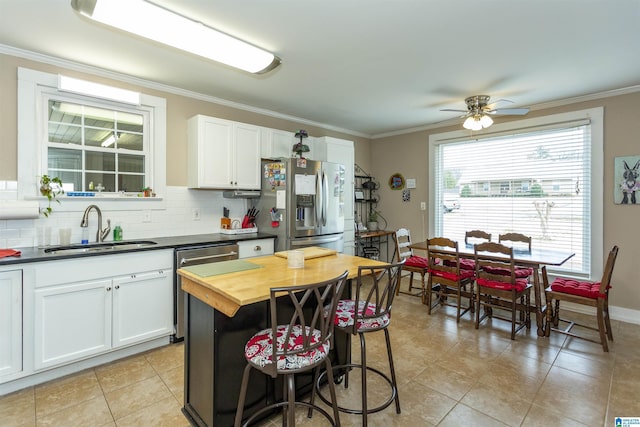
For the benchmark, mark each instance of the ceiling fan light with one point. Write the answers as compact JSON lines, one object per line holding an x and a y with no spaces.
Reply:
{"x":161,"y":25}
{"x":486,"y":121}
{"x":472,"y":123}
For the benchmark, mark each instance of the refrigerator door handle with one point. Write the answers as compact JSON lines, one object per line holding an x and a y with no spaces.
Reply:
{"x":325,"y":198}
{"x":319,"y":194}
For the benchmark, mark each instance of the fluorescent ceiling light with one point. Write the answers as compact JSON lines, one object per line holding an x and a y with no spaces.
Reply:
{"x":109,"y":141}
{"x":83,"y":87}
{"x":153,"y":22}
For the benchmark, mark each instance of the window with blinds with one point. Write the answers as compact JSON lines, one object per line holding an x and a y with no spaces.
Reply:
{"x":535,"y":182}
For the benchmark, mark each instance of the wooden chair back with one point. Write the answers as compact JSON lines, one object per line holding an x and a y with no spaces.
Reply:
{"x":517,"y":240}
{"x":443,"y":257}
{"x":402,"y":239}
{"x":605,"y":283}
{"x":494,"y":262}
{"x":305,"y":310}
{"x":476,"y":236}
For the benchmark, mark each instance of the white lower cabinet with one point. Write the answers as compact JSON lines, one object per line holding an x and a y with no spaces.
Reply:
{"x":253,"y":248}
{"x":72,"y":322}
{"x":78,"y":319}
{"x":10,"y":322}
{"x":136,"y":316}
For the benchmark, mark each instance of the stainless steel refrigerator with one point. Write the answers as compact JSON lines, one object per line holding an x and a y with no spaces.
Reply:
{"x":302,"y":202}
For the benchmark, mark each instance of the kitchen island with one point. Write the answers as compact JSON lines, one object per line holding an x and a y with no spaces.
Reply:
{"x":223,"y":310}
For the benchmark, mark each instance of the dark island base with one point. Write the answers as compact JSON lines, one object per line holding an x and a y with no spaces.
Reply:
{"x":214,"y":363}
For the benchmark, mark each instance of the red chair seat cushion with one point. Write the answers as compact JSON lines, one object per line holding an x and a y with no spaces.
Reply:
{"x":416,"y":261}
{"x":521,"y":273}
{"x":520,"y":285}
{"x":464,"y":274}
{"x":345,"y":315}
{"x":259,"y":349}
{"x":465,"y":264}
{"x":575,"y":287}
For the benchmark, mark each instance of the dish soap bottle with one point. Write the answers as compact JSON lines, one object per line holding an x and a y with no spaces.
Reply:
{"x":117,"y":233}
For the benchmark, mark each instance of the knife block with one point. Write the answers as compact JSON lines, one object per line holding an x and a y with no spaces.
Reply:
{"x":225,"y":223}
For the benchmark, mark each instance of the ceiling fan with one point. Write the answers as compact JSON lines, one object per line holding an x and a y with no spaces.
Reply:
{"x":479,"y":110}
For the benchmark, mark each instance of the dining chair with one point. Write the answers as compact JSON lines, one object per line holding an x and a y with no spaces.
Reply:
{"x":369,"y":312}
{"x":412,"y":263}
{"x":593,"y":294}
{"x":517,"y":241}
{"x":300,"y":345}
{"x":476,"y":236}
{"x":447,"y":275}
{"x":500,"y":290}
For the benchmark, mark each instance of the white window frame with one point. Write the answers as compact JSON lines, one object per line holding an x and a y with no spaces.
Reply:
{"x":33,"y":88}
{"x":596,"y":117}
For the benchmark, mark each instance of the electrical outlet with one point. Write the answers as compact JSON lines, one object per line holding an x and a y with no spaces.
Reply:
{"x":195,"y":214}
{"x":146,"y":216}
{"x":423,"y":206}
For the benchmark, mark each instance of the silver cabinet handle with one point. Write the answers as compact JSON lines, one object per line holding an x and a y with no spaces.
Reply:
{"x":201,"y":258}
{"x":257,"y":248}
{"x":109,"y":288}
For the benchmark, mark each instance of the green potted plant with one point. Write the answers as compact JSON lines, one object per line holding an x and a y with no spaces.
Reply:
{"x":372,"y":222}
{"x":50,"y":187}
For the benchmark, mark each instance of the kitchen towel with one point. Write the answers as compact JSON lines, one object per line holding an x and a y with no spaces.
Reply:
{"x":224,"y":267}
{"x":9,"y":252}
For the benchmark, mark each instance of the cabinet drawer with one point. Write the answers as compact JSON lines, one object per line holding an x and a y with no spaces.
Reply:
{"x":251,"y":248}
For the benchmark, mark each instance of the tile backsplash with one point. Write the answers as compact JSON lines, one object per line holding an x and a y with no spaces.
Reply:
{"x":186,"y":212}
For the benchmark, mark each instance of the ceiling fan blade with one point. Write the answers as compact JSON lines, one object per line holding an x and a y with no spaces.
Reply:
{"x":457,"y":111}
{"x":509,"y":111}
{"x":495,"y":103}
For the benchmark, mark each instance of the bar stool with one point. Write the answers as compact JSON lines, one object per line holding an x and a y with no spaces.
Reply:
{"x":373,"y":314}
{"x":302,"y":344}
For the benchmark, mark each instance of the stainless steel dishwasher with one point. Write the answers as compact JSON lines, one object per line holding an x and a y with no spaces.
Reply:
{"x":194,"y":255}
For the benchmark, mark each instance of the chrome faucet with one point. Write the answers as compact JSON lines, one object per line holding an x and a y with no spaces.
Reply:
{"x":100,"y":234}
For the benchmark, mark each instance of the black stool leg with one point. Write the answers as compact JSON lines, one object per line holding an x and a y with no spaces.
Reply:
{"x":243,"y":394}
{"x":392,"y":370}
{"x":291,"y":398}
{"x":363,"y":361}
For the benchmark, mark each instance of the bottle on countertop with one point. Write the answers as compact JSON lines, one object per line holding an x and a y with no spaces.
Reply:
{"x":117,"y":233}
{"x":85,"y":236}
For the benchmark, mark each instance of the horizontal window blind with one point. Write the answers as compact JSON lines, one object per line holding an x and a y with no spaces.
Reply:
{"x":537,"y":183}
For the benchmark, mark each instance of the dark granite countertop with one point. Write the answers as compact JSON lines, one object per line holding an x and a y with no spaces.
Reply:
{"x":32,"y":254}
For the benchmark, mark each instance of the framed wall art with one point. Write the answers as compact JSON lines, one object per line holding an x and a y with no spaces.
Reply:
{"x":627,"y":180}
{"x":396,"y":182}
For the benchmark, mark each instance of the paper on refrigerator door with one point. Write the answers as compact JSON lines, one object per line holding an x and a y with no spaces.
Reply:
{"x":281,"y":198}
{"x":305,"y":184}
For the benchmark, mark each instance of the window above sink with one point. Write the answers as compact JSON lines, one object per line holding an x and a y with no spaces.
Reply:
{"x":69,"y":136}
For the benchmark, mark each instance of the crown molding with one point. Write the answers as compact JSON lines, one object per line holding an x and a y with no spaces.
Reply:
{"x":76,"y":66}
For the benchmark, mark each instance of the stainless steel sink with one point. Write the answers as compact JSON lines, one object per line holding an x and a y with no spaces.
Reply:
{"x":100,"y":247}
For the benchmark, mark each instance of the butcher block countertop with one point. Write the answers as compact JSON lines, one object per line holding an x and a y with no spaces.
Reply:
{"x":228,"y":291}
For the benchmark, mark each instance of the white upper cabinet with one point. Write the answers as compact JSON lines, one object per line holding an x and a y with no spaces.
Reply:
{"x":277,"y":143}
{"x":223,"y":154}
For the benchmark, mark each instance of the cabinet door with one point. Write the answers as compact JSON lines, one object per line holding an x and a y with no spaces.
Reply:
{"x":71,"y":322}
{"x":142,"y":307}
{"x":216,"y":154}
{"x":10,"y":322}
{"x":247,"y":157}
{"x":277,"y":144}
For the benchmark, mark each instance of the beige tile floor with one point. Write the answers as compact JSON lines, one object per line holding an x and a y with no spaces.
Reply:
{"x":450,"y":375}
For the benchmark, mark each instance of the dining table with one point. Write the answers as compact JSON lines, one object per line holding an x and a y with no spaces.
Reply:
{"x":534,"y":259}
